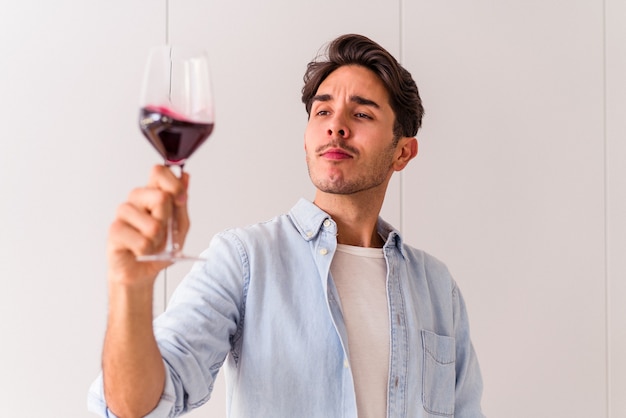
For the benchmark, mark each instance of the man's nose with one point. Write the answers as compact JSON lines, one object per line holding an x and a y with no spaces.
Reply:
{"x":338,"y":127}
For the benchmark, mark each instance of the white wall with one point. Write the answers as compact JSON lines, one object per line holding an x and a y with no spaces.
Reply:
{"x":69,"y":72}
{"x":616,"y":203}
{"x":519,"y":186}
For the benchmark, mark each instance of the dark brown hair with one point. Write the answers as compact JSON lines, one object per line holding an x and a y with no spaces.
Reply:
{"x":354,"y":49}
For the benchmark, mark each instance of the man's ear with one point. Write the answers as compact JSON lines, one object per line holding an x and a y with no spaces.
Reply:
{"x":405,"y":152}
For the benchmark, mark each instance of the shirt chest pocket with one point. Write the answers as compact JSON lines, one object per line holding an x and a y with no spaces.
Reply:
{"x":438,"y":374}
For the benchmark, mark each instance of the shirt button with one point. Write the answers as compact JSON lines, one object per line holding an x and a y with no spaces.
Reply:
{"x":346,"y":364}
{"x":309,"y":234}
{"x":326,"y":223}
{"x":323,"y":251}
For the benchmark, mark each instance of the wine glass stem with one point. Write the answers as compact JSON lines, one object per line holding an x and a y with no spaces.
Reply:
{"x":173,"y":239}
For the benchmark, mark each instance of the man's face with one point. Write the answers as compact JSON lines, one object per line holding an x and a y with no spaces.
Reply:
{"x":349,"y":137}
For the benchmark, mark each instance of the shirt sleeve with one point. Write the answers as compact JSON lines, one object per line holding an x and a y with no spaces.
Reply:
{"x":469,"y":384}
{"x":195,"y":333}
{"x":203,"y":321}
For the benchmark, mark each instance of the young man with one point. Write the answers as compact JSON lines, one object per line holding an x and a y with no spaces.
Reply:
{"x":321,"y":312}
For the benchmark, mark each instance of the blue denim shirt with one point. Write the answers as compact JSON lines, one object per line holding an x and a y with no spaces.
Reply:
{"x":264,"y":303}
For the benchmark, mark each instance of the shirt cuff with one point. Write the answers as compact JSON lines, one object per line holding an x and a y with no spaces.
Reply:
{"x":165,"y":408}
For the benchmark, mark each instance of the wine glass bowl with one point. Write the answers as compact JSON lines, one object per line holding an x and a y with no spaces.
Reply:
{"x":176,"y":115}
{"x":174,"y":136}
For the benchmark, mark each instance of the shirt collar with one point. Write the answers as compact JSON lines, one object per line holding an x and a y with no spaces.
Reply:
{"x":391,"y":235}
{"x":309,"y":219}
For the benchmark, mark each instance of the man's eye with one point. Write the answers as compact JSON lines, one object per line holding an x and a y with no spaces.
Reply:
{"x":322,"y":112}
{"x":362,"y":116}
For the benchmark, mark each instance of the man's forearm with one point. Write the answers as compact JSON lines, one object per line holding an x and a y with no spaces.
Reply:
{"x":133,"y":371}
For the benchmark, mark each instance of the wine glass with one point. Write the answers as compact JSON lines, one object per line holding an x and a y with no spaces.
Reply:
{"x":176,"y":116}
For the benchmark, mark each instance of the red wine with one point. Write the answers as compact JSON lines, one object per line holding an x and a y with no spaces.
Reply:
{"x":174,"y":137}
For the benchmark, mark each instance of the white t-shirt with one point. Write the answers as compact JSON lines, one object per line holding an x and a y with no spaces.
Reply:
{"x":360,"y":275}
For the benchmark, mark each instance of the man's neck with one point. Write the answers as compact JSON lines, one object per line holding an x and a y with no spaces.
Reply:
{"x":356,"y":217}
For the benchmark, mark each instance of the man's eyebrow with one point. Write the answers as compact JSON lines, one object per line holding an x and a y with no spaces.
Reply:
{"x":355,"y":99}
{"x":363,"y":101}
{"x":322,"y":98}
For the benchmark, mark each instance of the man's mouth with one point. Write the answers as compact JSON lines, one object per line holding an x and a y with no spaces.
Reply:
{"x":336,"y":154}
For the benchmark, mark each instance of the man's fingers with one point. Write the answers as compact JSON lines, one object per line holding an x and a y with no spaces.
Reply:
{"x":164,"y":179}
{"x":124,"y":245}
{"x":152,"y":202}
{"x":141,"y":229}
{"x":141,"y":224}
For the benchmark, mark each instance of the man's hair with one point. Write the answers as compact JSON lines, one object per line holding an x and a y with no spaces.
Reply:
{"x":354,"y":49}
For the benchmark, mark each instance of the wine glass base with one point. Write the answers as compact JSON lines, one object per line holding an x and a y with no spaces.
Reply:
{"x":172,"y":257}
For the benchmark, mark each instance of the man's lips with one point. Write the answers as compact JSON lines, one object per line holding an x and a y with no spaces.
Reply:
{"x":335,"y":154}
